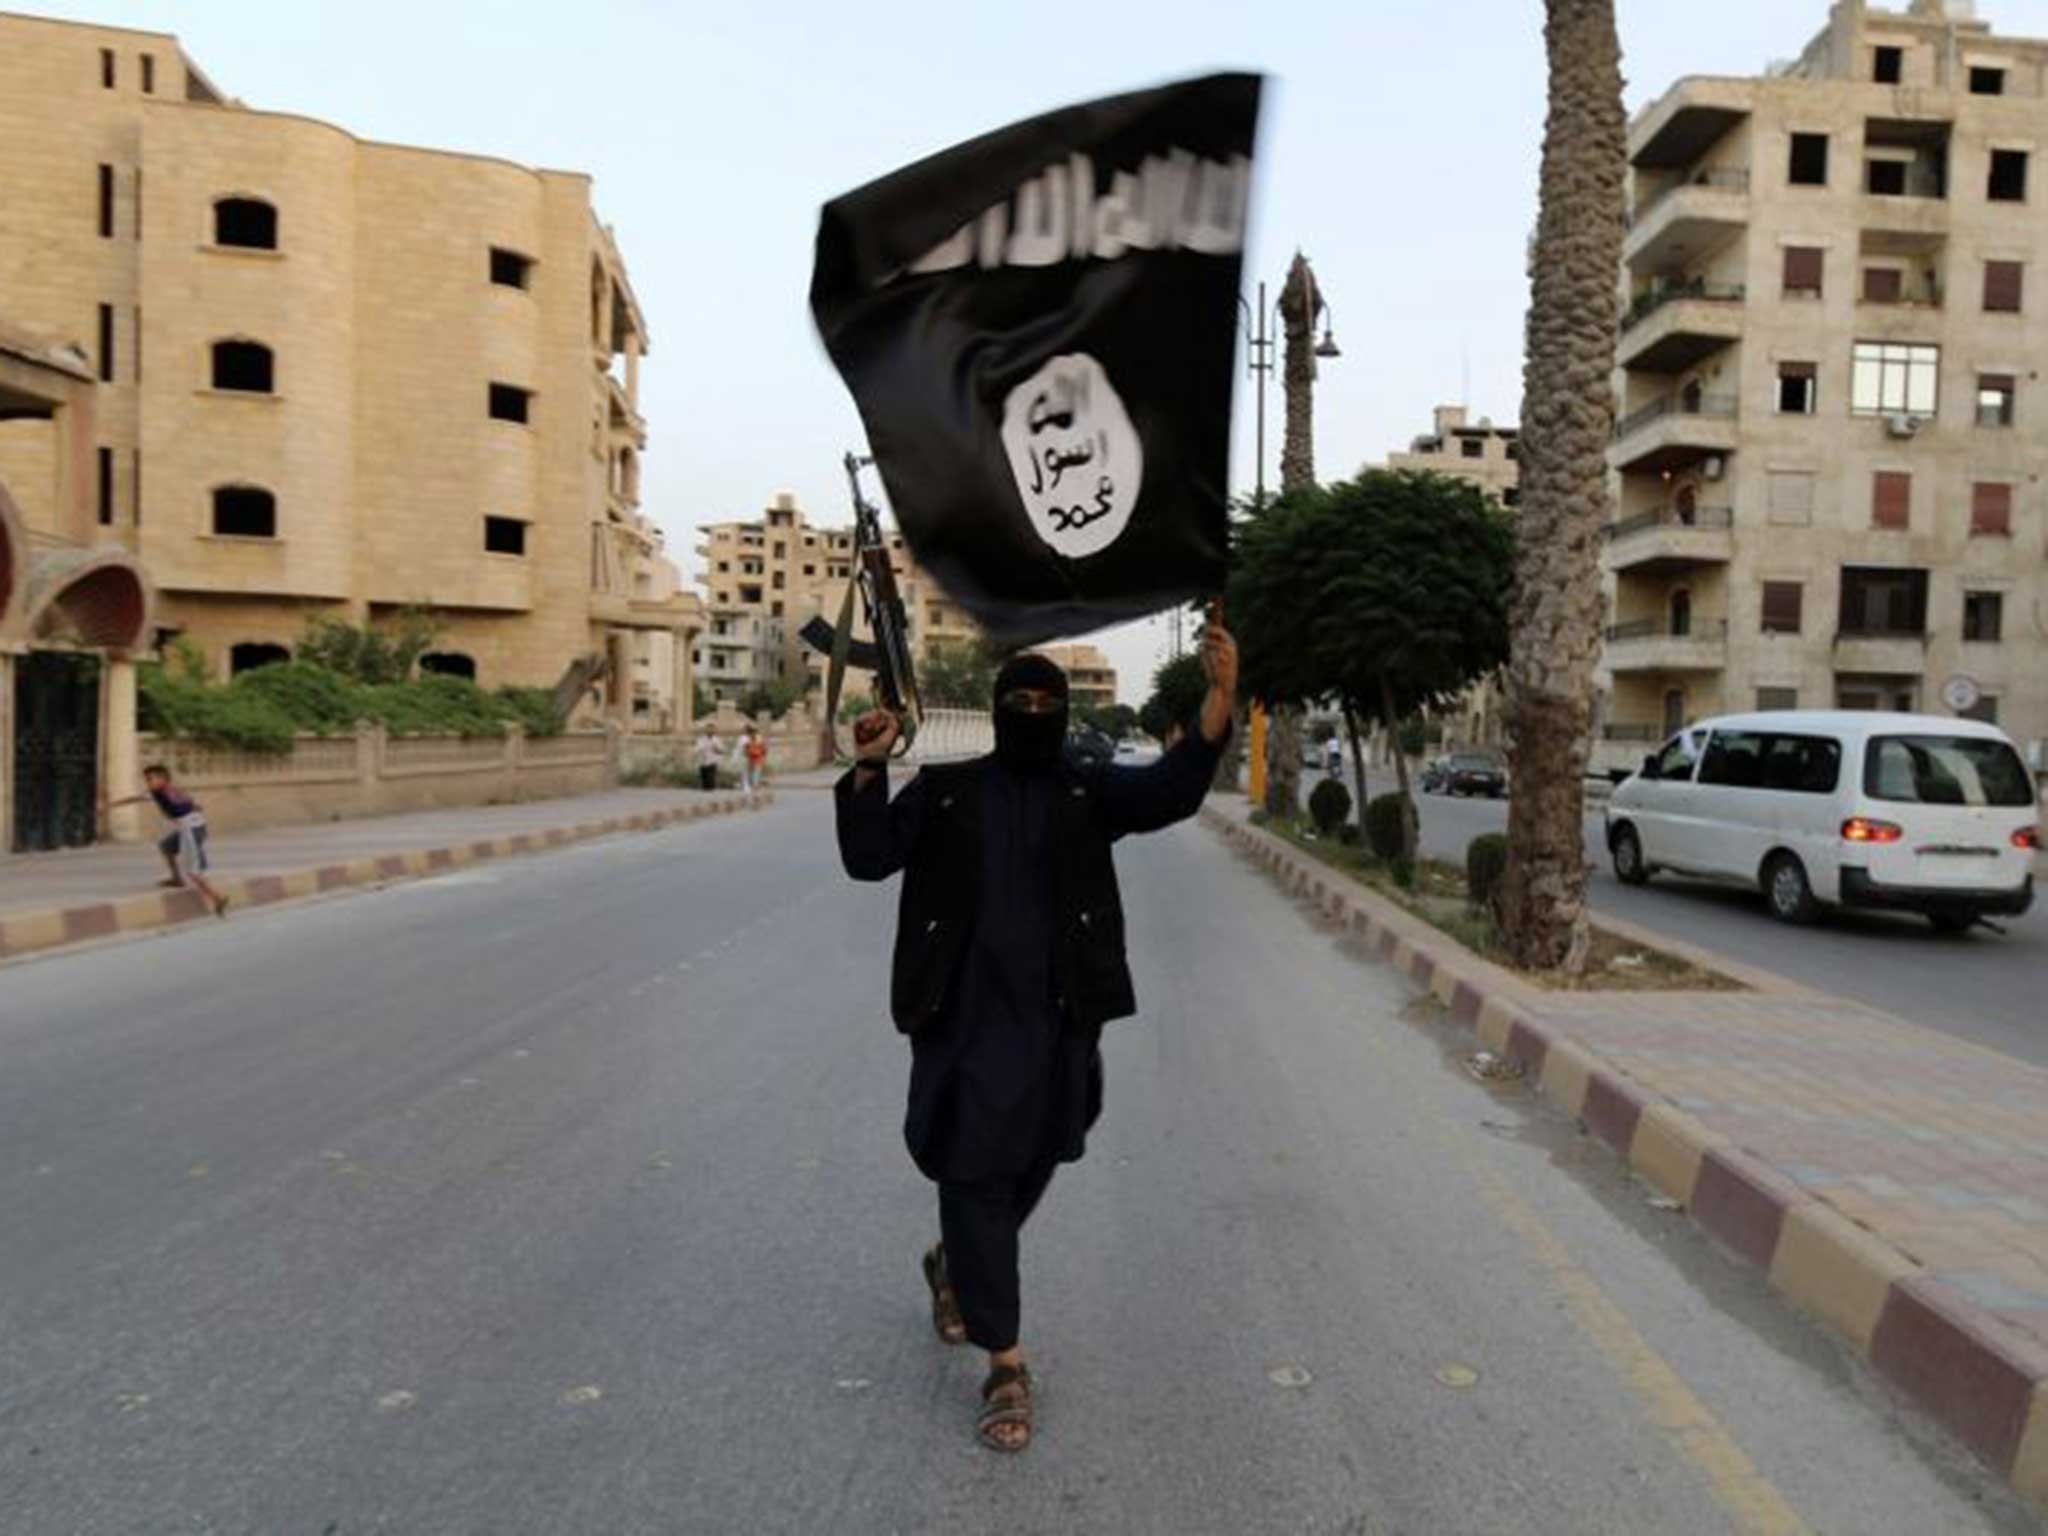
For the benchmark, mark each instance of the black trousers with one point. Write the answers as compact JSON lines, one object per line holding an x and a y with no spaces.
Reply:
{"x":978,"y":1224}
{"x":707,"y":775}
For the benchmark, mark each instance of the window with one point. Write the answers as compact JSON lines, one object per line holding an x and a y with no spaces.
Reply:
{"x":449,"y":664}
{"x":1991,"y":509}
{"x":504,"y":536}
{"x":2008,"y":182}
{"x":1995,"y":392}
{"x":1677,"y":759}
{"x":1891,"y":500}
{"x":149,"y":74}
{"x":247,"y":222}
{"x":106,"y":202}
{"x":1798,"y":388}
{"x":777,"y":581}
{"x":1884,"y":176}
{"x":1985,"y":81}
{"x":1511,"y":497}
{"x":1946,"y":770}
{"x":107,"y":68}
{"x":1803,"y":265}
{"x":810,"y":570}
{"x":106,"y":457}
{"x":251,"y":654}
{"x":1783,"y":605}
{"x":508,"y":402}
{"x":1791,"y":493}
{"x":1883,"y":285}
{"x":106,"y":342}
{"x":1472,"y":448}
{"x":1880,"y":600}
{"x":1984,"y":617}
{"x":242,"y":365}
{"x":244,"y":512}
{"x":1769,"y":700}
{"x":1802,"y":765}
{"x":2004,"y":282}
{"x":1893,"y":378}
{"x":1809,"y":163}
{"x":1734,"y":759}
{"x":509,"y":269}
{"x":1887,"y":64}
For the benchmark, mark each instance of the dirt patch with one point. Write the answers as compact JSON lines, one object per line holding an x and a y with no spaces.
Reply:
{"x":1435,"y":891}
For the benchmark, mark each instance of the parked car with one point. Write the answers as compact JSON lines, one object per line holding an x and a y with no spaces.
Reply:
{"x":1090,"y":747}
{"x":1907,"y":813}
{"x":1436,"y":776}
{"x":1475,"y":773}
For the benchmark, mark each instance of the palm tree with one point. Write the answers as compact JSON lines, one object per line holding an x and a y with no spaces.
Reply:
{"x":1297,"y":472}
{"x":1567,"y":424}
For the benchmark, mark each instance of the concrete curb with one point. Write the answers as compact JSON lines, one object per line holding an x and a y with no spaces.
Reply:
{"x":1958,"y":1363}
{"x":24,"y":933}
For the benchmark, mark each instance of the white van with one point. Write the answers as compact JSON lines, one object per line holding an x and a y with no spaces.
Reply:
{"x":1911,"y":813}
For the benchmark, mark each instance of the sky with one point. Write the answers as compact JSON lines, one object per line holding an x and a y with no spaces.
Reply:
{"x":1398,"y":149}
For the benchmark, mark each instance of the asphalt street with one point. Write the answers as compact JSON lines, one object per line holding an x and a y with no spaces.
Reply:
{"x":567,"y":1195}
{"x":1981,"y":986}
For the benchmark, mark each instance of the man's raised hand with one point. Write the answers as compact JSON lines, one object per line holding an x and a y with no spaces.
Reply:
{"x":874,"y":737}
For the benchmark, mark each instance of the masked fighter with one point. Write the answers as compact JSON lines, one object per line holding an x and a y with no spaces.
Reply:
{"x":1009,"y":960}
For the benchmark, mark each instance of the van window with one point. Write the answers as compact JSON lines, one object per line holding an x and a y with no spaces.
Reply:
{"x":1946,"y":770}
{"x":1676,"y":760}
{"x":1734,"y":759}
{"x":1804,"y":765}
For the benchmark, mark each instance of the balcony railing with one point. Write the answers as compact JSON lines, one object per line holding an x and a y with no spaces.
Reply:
{"x":1651,"y":300}
{"x":1719,"y":407}
{"x":1661,"y":629}
{"x":1725,"y":180}
{"x":1671,"y":517}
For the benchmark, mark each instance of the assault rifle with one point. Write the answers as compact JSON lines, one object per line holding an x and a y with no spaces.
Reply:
{"x":887,"y":656}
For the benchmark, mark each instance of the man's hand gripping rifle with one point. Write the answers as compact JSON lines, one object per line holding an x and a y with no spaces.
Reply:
{"x":887,"y":656}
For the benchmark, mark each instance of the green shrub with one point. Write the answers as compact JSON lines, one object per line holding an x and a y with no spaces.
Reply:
{"x":1385,"y":825}
{"x":433,"y":706}
{"x":1329,"y":806}
{"x":313,"y":698}
{"x":1349,"y":835}
{"x":1486,"y":860}
{"x":533,"y":708}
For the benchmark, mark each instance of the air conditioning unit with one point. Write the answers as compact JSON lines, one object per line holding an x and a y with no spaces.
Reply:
{"x":1714,"y":467}
{"x":1901,"y":426}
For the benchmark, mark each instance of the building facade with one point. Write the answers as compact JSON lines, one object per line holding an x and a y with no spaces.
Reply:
{"x":763,"y":579}
{"x":1478,"y":453}
{"x":1832,"y":420}
{"x":336,"y":378}
{"x":1091,"y":680}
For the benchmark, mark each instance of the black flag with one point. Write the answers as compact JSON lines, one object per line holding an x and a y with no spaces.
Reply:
{"x":1039,"y":328}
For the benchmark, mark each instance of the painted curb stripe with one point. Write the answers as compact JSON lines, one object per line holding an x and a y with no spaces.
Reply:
{"x":1947,"y":1357}
{"x":91,"y":922}
{"x":1611,"y":1112}
{"x":1742,"y":1203}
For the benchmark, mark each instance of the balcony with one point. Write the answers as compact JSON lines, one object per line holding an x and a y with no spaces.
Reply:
{"x":1677,"y":225}
{"x":1679,"y":127}
{"x":1648,"y":645}
{"x":1672,"y":326}
{"x":1674,"y":431}
{"x":1884,"y":652}
{"x":1667,"y":541}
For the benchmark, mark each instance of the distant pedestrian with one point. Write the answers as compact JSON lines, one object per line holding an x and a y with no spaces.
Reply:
{"x":1333,"y":757}
{"x":753,"y":760}
{"x":184,"y":846}
{"x":709,"y":751}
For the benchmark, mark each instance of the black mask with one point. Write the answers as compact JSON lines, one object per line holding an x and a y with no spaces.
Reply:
{"x":1026,"y":741}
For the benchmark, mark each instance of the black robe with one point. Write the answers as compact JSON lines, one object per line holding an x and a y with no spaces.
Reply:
{"x":998,"y":1081}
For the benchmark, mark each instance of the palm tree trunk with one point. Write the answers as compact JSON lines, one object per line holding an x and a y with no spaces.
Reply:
{"x":1357,"y":758}
{"x":1411,"y":829}
{"x":1297,"y":472}
{"x":1567,"y":424}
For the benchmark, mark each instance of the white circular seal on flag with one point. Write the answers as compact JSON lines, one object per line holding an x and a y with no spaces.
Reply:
{"x":1078,"y":460}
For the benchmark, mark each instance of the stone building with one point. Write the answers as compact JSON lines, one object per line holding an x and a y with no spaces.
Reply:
{"x":1479,"y":453}
{"x":1833,"y":423}
{"x":1091,"y":680}
{"x":763,"y":579}
{"x":335,"y":377}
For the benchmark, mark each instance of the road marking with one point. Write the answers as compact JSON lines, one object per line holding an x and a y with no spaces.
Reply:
{"x":1289,"y":1376}
{"x":576,"y":1396}
{"x":1672,"y":1406}
{"x":1456,"y":1375}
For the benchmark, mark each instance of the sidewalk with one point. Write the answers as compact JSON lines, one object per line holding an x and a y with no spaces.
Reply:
{"x":59,"y":898}
{"x":1890,"y":1179}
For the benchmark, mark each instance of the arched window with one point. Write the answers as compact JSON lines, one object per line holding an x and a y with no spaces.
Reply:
{"x":242,"y":365}
{"x":251,"y":654}
{"x":449,"y":664}
{"x":245,"y":221}
{"x":244,"y":512}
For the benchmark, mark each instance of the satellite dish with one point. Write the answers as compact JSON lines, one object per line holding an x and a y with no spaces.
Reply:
{"x":1961,"y":694}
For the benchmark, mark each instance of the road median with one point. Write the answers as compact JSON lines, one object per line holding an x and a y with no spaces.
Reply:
{"x":1891,"y":1181}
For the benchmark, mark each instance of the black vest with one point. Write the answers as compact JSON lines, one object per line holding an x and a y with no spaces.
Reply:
{"x":941,"y":888}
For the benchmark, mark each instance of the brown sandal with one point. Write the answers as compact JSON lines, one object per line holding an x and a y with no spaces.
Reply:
{"x":946,"y":1319}
{"x":1006,"y":1400}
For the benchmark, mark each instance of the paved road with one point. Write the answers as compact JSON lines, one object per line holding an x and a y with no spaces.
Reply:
{"x":567,"y":1196}
{"x":1982,"y":987}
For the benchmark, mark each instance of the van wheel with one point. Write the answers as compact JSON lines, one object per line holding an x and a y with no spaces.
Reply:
{"x":1629,"y":867}
{"x":1788,"y":891}
{"x":1952,"y":922}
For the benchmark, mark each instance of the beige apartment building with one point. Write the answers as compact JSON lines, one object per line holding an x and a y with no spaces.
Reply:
{"x":1833,"y":421}
{"x":1478,"y":453}
{"x":763,"y":579}
{"x":1091,"y":680}
{"x":335,"y":377}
